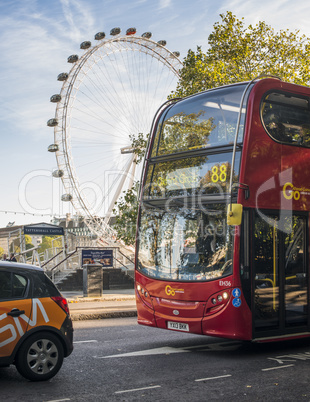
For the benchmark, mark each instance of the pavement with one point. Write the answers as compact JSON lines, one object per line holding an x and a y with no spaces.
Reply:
{"x":112,"y":304}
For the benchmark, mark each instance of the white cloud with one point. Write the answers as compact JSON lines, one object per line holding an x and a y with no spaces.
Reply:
{"x":164,"y":3}
{"x":280,"y":14}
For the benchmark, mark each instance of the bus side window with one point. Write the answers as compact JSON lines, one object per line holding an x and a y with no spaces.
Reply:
{"x":286,"y":118}
{"x":304,"y":135}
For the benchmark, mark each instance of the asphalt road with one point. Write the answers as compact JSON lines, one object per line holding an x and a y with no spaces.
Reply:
{"x":117,"y":360}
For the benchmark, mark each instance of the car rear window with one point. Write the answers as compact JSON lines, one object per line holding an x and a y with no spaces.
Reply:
{"x":43,"y":286}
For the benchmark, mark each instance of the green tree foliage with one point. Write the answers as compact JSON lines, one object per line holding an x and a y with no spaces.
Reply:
{"x":139,"y":145}
{"x":238,"y":53}
{"x":126,"y":211}
{"x":29,"y":245}
{"x":15,"y":245}
{"x":183,"y":132}
{"x":47,"y":242}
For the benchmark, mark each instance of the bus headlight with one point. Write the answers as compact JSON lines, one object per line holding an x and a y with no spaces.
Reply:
{"x":144,"y":295}
{"x":217,"y":301}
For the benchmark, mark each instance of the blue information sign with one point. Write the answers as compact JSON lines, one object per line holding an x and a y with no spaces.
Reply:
{"x":236,"y":302}
{"x":236,"y":292}
{"x":103,"y":257}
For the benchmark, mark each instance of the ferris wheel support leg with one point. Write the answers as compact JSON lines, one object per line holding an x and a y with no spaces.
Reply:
{"x":119,"y":190}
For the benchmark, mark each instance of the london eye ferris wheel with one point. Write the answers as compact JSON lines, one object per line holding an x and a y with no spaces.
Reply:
{"x":110,"y":95}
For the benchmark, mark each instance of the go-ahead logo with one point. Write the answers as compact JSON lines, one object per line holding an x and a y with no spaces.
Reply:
{"x":170,"y":291}
{"x":290,"y":191}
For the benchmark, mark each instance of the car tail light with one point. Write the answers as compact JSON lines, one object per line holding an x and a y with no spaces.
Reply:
{"x":62,"y":302}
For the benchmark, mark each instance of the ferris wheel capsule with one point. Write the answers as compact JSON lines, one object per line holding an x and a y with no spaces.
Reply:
{"x":62,"y":76}
{"x":176,"y":54}
{"x":147,"y":35}
{"x":52,"y":122}
{"x":73,"y":58}
{"x":131,"y":31}
{"x":115,"y":31}
{"x":100,"y":35}
{"x":85,"y":45}
{"x":53,"y":148}
{"x":66,"y":197}
{"x":162,"y":42}
{"x":58,"y":173}
{"x":55,"y":98}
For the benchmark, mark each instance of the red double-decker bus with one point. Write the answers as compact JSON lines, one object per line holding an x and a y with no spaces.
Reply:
{"x":223,"y":228}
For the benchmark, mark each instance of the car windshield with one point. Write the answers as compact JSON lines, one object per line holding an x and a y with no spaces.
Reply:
{"x":185,"y":244}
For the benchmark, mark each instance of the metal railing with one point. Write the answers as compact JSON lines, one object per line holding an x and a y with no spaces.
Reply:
{"x":72,"y":261}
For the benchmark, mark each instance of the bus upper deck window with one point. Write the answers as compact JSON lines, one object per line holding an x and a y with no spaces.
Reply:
{"x":208,"y":119}
{"x":286,"y":118}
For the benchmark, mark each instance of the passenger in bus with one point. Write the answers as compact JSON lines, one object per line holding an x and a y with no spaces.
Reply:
{"x":304,"y":135}
{"x":275,"y":127}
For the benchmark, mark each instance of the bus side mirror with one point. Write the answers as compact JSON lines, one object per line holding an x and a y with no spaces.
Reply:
{"x":234,"y":214}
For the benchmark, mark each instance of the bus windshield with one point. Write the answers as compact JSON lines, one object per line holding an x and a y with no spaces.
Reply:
{"x":185,"y":243}
{"x":206,"y":120}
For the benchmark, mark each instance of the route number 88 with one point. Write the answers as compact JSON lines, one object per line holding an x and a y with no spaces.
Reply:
{"x":219,"y":174}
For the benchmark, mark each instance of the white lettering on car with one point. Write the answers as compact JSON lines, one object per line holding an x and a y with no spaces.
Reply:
{"x":33,"y":322}
{"x":8,"y":327}
{"x":18,"y":326}
{"x":36,"y":303}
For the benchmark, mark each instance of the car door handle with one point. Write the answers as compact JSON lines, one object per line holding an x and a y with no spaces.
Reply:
{"x":16,"y":313}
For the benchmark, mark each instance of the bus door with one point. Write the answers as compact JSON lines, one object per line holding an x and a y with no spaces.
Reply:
{"x":279,"y":274}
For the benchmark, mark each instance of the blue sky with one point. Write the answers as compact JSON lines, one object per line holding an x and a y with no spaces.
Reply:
{"x":37,"y":37}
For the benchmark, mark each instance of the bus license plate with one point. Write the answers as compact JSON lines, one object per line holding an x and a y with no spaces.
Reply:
{"x":178,"y":326}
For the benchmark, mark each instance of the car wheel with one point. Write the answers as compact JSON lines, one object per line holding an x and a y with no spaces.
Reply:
{"x":40,"y":357}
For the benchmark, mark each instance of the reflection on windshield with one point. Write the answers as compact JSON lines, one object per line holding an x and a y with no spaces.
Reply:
{"x":199,"y":175}
{"x":185,"y":244}
{"x":208,"y":119}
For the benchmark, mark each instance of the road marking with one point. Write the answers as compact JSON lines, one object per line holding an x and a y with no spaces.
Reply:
{"x":166,"y":350}
{"x":278,"y":367}
{"x":60,"y":400}
{"x":216,"y":346}
{"x":212,"y":347}
{"x":291,"y":358}
{"x":157,"y":351}
{"x":214,"y":378}
{"x":93,"y":340}
{"x":137,"y":389}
